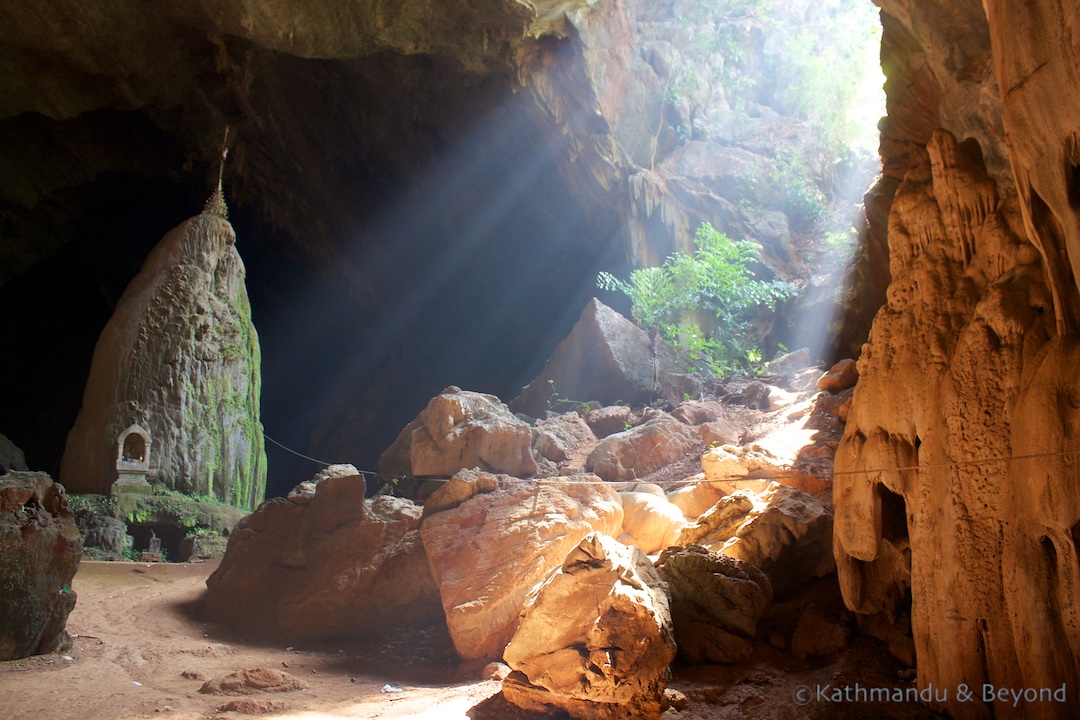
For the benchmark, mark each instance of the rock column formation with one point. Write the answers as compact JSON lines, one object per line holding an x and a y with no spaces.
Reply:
{"x":957,"y":488}
{"x":180,"y":357}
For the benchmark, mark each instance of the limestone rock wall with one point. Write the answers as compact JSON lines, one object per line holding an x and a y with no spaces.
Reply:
{"x":40,"y":550}
{"x":181,"y":358}
{"x":957,"y":488}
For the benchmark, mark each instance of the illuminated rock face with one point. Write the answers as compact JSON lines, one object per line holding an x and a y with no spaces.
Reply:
{"x":595,"y":638}
{"x":179,"y":357}
{"x":974,"y":359}
{"x":489,"y":551}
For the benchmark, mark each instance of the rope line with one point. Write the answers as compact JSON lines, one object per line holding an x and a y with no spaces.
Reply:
{"x":288,"y":449}
{"x":777,"y":475}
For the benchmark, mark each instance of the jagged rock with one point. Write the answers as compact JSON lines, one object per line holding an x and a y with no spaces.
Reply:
{"x":39,"y":556}
{"x":840,"y":377}
{"x":179,"y":357}
{"x":338,"y":565}
{"x":565,"y":440}
{"x":99,"y":528}
{"x":609,"y":420}
{"x":783,"y":531}
{"x":595,"y":639}
{"x":254,"y":680}
{"x":305,"y":491}
{"x":460,"y":429}
{"x":728,"y":463}
{"x":719,"y":523}
{"x":719,"y":432}
{"x":11,"y":457}
{"x":752,"y":394}
{"x":489,"y":551}
{"x":650,"y":522}
{"x":716,"y":602}
{"x":790,"y":539}
{"x":605,"y":357}
{"x":641,"y":450}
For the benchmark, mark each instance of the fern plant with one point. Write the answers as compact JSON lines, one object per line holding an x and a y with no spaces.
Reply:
{"x":717,"y":280}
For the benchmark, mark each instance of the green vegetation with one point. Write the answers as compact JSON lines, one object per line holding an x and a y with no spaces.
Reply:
{"x":804,"y":59}
{"x":559,"y":403}
{"x":672,"y":300}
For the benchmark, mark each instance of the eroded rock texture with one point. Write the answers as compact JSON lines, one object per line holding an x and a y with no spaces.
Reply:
{"x":459,"y":430}
{"x":956,"y":481}
{"x":595,"y":639}
{"x":716,"y":602}
{"x":179,"y":357}
{"x":39,"y":555}
{"x":488,"y":552}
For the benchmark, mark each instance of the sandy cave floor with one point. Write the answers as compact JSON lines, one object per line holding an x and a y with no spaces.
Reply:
{"x":141,"y":651}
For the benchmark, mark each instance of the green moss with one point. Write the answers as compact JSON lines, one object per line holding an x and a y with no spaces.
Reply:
{"x":175,"y":508}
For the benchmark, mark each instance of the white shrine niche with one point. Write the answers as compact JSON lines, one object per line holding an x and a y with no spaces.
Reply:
{"x":132,"y":461}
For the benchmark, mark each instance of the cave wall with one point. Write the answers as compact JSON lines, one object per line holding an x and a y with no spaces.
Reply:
{"x":393,"y":167}
{"x":957,"y":490}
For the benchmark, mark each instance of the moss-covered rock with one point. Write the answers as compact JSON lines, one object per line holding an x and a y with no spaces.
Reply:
{"x":189,"y":527}
{"x":180,"y":357}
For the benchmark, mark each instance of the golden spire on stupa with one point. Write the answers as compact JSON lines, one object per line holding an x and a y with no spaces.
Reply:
{"x":215,"y":205}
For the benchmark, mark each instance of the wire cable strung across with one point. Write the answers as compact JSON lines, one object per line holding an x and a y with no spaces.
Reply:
{"x":778,"y":475}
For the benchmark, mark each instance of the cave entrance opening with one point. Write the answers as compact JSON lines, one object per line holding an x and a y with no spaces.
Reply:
{"x":171,"y":538}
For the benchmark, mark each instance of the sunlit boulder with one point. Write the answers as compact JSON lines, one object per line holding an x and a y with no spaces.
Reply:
{"x":489,"y":551}
{"x":595,"y":639}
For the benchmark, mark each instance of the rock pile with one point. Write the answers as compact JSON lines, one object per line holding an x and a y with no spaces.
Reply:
{"x":534,"y":539}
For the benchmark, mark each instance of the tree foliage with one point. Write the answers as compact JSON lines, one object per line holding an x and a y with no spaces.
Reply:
{"x":809,"y":59}
{"x":715,"y":280}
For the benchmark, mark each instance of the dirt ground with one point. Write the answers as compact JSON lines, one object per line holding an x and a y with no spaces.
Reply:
{"x":140,"y":650}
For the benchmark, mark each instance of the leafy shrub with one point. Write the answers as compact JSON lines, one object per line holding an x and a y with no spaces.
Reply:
{"x":715,"y":280}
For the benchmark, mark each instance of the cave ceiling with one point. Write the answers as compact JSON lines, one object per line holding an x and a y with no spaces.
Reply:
{"x":423,"y":191}
{"x":397,"y":198}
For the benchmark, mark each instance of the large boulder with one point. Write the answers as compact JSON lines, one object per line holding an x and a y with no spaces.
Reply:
{"x":305,"y":491}
{"x":565,"y":440}
{"x":179,"y":358}
{"x":489,"y":551}
{"x":716,"y":602}
{"x":595,"y":639}
{"x":636,"y":452}
{"x":605,"y":357}
{"x":460,"y":429}
{"x":783,"y":531}
{"x":39,"y":555}
{"x":335,"y":565}
{"x":610,"y":419}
